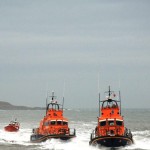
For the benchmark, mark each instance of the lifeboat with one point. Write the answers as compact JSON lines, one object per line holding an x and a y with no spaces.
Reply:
{"x":12,"y":127}
{"x":110,"y":130}
{"x":53,"y":125}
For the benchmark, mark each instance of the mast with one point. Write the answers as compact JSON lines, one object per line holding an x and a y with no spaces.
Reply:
{"x":99,"y":105}
{"x":120,"y":101}
{"x":46,"y":105}
{"x":47,"y":99}
{"x":119,"y":94}
{"x":46,"y":102}
{"x":52,"y":95}
{"x":109,"y":92}
{"x":63,"y":103}
{"x":99,"y":95}
{"x":109,"y":95}
{"x":63,"y":96}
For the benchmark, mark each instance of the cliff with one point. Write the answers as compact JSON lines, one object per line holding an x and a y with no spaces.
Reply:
{"x":8,"y":106}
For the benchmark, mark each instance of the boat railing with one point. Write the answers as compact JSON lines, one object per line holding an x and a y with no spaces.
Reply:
{"x":93,"y":134}
{"x":72,"y":131}
{"x":35,"y":130}
{"x":108,"y":132}
{"x":128,"y":133}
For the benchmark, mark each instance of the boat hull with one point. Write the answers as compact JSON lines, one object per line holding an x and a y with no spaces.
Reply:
{"x":109,"y":141}
{"x":11,"y":128}
{"x":37,"y":138}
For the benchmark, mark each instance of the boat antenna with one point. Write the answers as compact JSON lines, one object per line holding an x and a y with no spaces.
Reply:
{"x":98,"y":83}
{"x":63,"y":96}
{"x":119,"y":94}
{"x":52,"y":95}
{"x":99,"y":105}
{"x":63,"y":104}
{"x":46,"y":101}
{"x":120,"y":100}
{"x":109,"y":92}
{"x":99,"y":94}
{"x":47,"y":95}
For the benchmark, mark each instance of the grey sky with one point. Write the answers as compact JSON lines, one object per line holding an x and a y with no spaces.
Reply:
{"x":44,"y":42}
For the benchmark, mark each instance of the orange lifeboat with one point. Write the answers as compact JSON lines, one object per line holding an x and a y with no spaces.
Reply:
{"x":110,"y":130}
{"x":12,"y":127}
{"x":53,"y":125}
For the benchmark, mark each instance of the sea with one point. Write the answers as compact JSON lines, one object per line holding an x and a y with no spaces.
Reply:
{"x":83,"y":120}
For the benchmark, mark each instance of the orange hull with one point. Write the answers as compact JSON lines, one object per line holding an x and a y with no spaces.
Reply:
{"x":11,"y":128}
{"x":53,"y":125}
{"x":110,"y":130}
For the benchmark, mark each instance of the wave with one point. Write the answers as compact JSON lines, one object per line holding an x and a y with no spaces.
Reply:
{"x":21,"y":137}
{"x":81,"y":142}
{"x":141,"y":140}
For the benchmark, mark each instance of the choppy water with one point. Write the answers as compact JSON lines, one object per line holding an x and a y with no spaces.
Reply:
{"x":83,"y":120}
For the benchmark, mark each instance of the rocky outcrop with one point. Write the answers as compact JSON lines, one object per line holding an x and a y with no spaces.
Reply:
{"x":8,"y":106}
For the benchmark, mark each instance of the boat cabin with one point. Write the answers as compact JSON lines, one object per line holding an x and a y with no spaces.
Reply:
{"x":110,"y":108}
{"x":110,"y":121}
{"x":53,"y":109}
{"x":54,"y":122}
{"x":110,"y":130}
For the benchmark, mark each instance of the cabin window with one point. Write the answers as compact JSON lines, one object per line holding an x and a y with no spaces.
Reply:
{"x":65,"y":123}
{"x":111,"y":123}
{"x":58,"y":122}
{"x":119,"y":123}
{"x":102,"y":123}
{"x":53,"y":122}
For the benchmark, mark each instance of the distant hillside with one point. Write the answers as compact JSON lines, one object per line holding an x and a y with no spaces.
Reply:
{"x":8,"y":106}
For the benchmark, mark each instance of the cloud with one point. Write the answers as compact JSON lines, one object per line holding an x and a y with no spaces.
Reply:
{"x":49,"y":41}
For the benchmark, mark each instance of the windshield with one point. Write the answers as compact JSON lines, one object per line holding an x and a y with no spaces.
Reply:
{"x":111,"y":123}
{"x":102,"y":123}
{"x":119,"y":123}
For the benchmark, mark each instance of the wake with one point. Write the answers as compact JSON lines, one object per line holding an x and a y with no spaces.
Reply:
{"x":81,"y":142}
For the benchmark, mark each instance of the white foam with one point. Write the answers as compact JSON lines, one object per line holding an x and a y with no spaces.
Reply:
{"x":141,"y":140}
{"x":81,"y":142}
{"x":21,"y":137}
{"x":73,"y":144}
